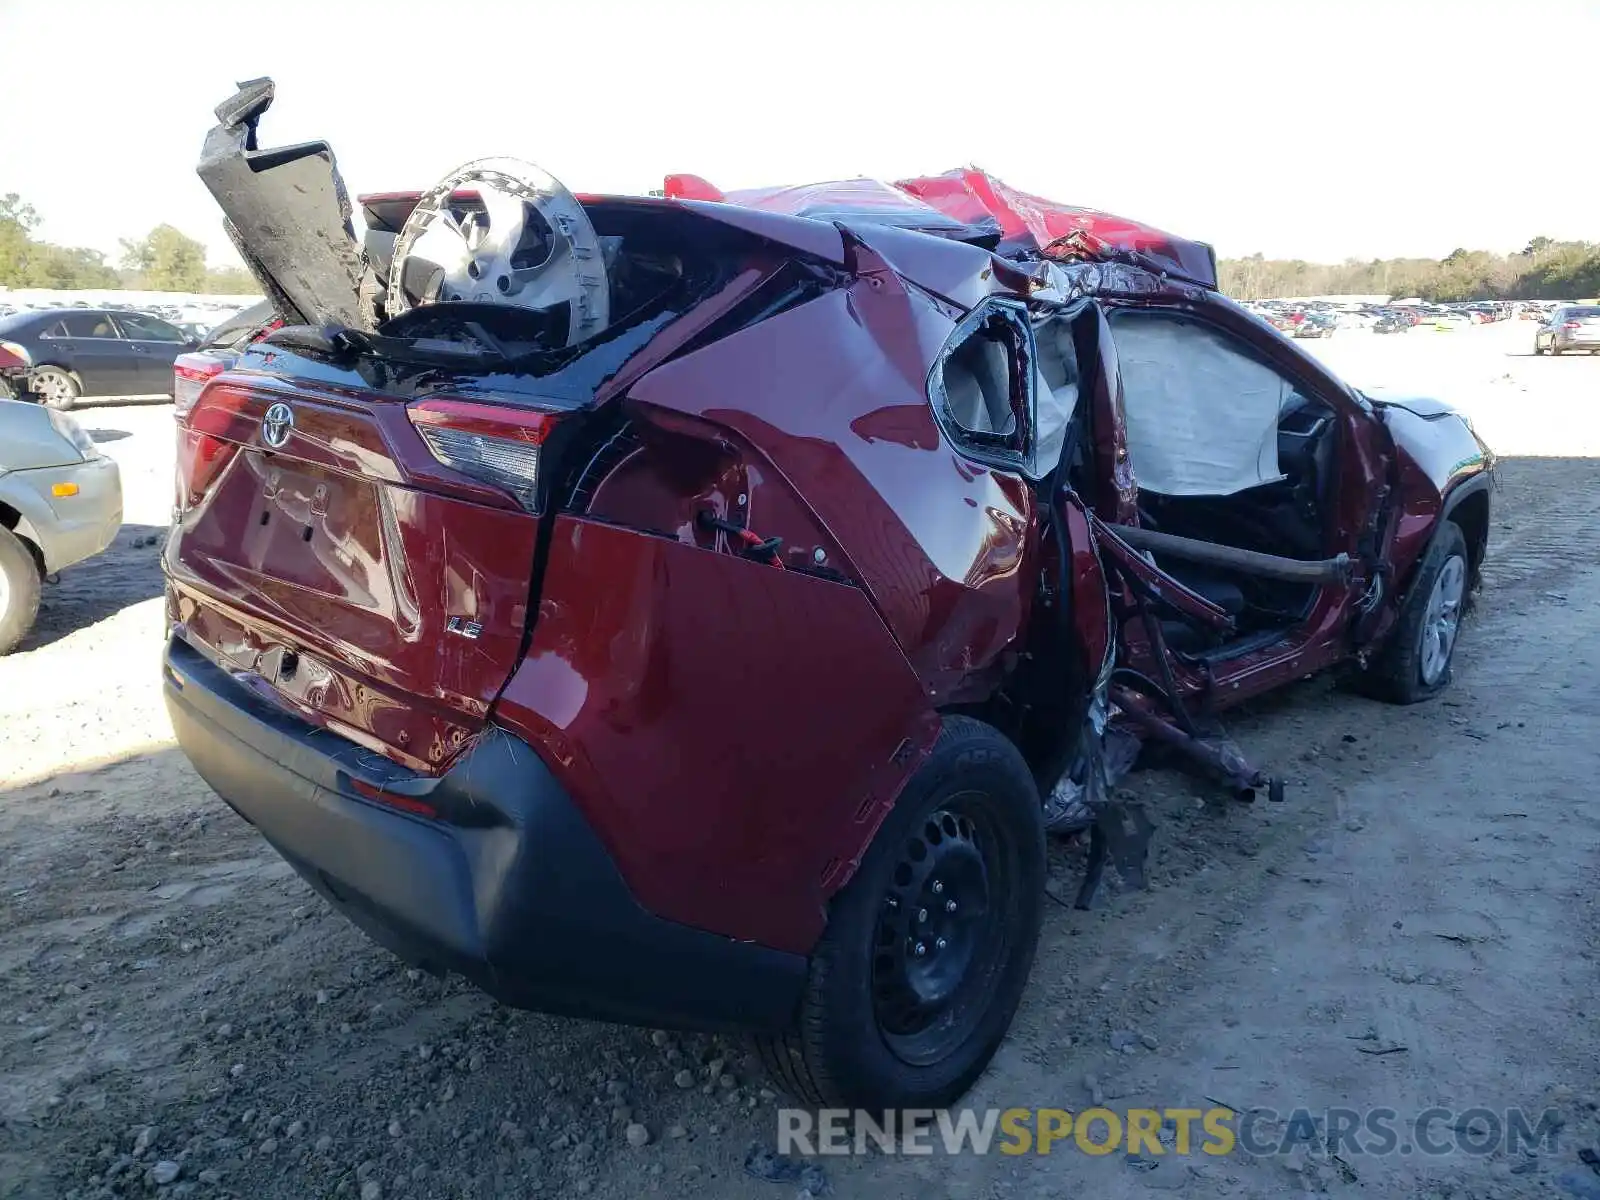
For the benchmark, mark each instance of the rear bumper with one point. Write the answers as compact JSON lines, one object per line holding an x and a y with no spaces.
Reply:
{"x":509,"y":887}
{"x":1582,"y":341}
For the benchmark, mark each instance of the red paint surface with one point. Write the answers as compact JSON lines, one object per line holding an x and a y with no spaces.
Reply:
{"x":972,"y":197}
{"x":832,"y":395}
{"x":330,"y":548}
{"x":729,"y":730}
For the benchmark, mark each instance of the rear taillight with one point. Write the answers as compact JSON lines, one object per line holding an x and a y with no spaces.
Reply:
{"x":203,"y":448}
{"x":1573,"y":325}
{"x":201,"y":458}
{"x":496,"y":443}
{"x":190,"y":374}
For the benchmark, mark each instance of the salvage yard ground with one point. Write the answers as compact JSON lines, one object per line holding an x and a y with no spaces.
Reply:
{"x":171,"y":993}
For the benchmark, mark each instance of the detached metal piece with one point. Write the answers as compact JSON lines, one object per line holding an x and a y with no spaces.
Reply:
{"x":1122,"y":836}
{"x":287,"y":211}
{"x":1214,"y":754}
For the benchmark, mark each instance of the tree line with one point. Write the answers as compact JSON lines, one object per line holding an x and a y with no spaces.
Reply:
{"x":1544,"y":269}
{"x":164,"y":260}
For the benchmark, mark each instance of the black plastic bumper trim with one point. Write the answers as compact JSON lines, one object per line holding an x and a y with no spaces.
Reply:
{"x":516,"y":892}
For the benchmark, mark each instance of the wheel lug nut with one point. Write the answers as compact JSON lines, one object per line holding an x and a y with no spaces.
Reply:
{"x":937,"y":887}
{"x":922,"y":914}
{"x":949,"y":906}
{"x":920,"y":950}
{"x":940,"y":944}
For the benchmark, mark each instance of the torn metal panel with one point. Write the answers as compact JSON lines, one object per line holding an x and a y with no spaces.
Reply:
{"x":288,"y":212}
{"x":814,"y":237}
{"x":963,"y":274}
{"x":1033,"y":225}
{"x":844,"y":201}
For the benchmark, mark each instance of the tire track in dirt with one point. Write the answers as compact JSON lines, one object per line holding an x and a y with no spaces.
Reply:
{"x":1546,"y":521}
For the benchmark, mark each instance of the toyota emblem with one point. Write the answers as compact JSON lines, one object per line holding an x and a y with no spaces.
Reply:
{"x":277,"y":425}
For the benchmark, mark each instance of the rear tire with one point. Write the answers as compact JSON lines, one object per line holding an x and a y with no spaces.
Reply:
{"x":1415,"y":663}
{"x":59,"y":389}
{"x":19,"y":591}
{"x":882,"y":1023}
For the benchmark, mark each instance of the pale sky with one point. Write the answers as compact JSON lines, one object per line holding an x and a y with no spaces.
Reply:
{"x":1317,"y":129}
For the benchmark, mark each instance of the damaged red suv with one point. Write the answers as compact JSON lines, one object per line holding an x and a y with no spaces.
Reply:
{"x":696,"y":609}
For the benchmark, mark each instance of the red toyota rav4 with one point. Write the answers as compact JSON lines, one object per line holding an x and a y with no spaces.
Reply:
{"x":696,"y":609}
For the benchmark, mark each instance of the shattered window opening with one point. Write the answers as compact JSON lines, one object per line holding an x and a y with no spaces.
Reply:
{"x":981,"y":387}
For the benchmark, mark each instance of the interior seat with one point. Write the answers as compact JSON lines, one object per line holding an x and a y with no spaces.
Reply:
{"x":1225,"y":594}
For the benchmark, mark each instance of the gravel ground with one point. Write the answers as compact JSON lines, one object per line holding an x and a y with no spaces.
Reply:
{"x":182,"y":1016}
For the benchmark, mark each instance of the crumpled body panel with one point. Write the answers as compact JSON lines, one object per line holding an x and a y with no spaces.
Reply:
{"x":971,"y":204}
{"x":940,"y":543}
{"x":1061,"y":231}
{"x":736,"y":776}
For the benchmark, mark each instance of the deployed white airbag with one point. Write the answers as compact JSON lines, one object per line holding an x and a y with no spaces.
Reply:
{"x":1055,"y":388}
{"x":1202,"y":417}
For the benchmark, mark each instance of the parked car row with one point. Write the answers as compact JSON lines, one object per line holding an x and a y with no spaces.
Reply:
{"x":1316,"y":319}
{"x":61,"y":351}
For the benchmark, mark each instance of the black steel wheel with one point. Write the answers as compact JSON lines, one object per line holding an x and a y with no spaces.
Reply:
{"x":928,"y":949}
{"x":939,"y":936}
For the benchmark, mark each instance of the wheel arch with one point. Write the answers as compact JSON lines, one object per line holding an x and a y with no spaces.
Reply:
{"x":18,"y":524}
{"x":1467,"y":505}
{"x":62,"y":367}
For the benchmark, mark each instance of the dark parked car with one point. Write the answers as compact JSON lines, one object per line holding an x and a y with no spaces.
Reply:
{"x":1392,"y":322}
{"x":695,"y":610}
{"x":88,"y":352}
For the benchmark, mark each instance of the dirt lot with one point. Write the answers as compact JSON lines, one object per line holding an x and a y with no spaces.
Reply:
{"x":1416,"y":925}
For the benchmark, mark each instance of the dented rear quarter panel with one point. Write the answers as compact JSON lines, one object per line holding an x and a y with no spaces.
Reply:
{"x":661,"y":660}
{"x":833,"y":395}
{"x":734,"y":733}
